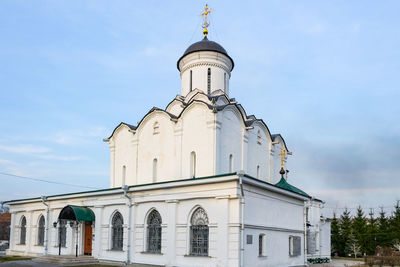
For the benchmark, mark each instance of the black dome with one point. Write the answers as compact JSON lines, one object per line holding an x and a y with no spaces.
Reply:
{"x":205,"y":45}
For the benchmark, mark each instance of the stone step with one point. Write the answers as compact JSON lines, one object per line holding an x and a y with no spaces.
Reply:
{"x":70,"y":259}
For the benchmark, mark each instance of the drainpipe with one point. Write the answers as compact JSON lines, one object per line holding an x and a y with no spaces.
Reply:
{"x":46,"y":246}
{"x":241,"y":174}
{"x":128,"y":252}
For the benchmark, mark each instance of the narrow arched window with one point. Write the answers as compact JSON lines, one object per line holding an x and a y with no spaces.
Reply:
{"x":123,"y":175}
{"x":117,"y":231}
{"x":199,"y":233}
{"x":22,"y":238}
{"x":262,"y":245}
{"x":190,"y":80}
{"x":193,"y":164}
{"x":62,"y":233}
{"x":209,"y":81}
{"x":40,"y":240}
{"x":258,"y":171}
{"x":230,"y":163}
{"x":154,"y":232}
{"x":154,"y":170}
{"x":225,"y":82}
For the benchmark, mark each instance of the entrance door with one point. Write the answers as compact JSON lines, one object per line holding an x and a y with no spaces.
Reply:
{"x":88,"y":239}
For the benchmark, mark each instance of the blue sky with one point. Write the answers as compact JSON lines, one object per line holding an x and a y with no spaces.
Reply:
{"x":324,"y":74}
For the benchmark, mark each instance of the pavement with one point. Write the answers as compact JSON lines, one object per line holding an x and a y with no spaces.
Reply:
{"x":30,"y":263}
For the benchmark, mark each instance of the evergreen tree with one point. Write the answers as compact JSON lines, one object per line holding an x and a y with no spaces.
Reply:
{"x":372,"y":230}
{"x":395,"y":224}
{"x":359,"y":227}
{"x":383,"y":236}
{"x":345,"y":231}
{"x":335,"y":236}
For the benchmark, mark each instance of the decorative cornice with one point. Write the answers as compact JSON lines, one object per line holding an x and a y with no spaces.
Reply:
{"x":206,"y":63}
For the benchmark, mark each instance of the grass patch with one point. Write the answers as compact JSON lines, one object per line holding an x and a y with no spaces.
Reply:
{"x":13,"y":258}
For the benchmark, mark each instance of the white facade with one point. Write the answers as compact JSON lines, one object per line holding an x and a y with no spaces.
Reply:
{"x":202,"y":152}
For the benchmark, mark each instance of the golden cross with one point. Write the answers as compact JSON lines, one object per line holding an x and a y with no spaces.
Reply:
{"x":206,"y":23}
{"x":282,"y":154}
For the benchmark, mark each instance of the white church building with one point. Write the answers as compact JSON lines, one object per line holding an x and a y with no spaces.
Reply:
{"x":199,"y":183}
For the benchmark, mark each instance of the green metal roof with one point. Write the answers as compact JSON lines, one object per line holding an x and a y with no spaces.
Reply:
{"x":285,"y":185}
{"x":77,"y":213}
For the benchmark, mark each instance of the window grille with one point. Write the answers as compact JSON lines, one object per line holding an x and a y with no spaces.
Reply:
{"x":62,"y":233}
{"x":23,"y":231}
{"x":117,"y":232}
{"x":41,"y":231}
{"x":209,"y":81}
{"x":199,"y":233}
{"x":154,"y":232}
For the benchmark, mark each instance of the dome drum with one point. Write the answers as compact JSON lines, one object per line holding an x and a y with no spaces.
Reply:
{"x":206,"y":66}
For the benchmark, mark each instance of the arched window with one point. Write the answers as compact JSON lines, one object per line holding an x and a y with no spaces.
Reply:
{"x":193,"y":164}
{"x":123,"y":175}
{"x":62,"y":233}
{"x":199,"y":233}
{"x":117,"y":231}
{"x":154,"y":232}
{"x":154,"y":170}
{"x":225,"y":82}
{"x":258,"y":171}
{"x":262,"y":245}
{"x":190,"y":81}
{"x":209,"y":81}
{"x":230,"y":163}
{"x":22,"y":238}
{"x":40,"y":239}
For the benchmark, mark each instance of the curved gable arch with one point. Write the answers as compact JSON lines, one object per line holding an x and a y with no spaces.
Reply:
{"x":264,"y":128}
{"x":151,"y":115}
{"x":174,"y":103}
{"x":236,"y":111}
{"x":192,"y":105}
{"x":120,"y":127}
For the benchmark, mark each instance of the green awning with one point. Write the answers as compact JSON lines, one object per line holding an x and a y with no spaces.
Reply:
{"x":285,"y":185}
{"x":76,"y":213}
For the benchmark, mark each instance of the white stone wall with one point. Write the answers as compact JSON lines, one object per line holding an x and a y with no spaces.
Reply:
{"x":267,"y":212}
{"x":277,"y":217}
{"x":213,"y":136}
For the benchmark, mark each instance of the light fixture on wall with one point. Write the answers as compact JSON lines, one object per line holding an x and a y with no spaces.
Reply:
{"x":55,"y":224}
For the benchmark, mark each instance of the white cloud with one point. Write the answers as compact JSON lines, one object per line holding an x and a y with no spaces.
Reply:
{"x":25,"y":149}
{"x":78,"y":136}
